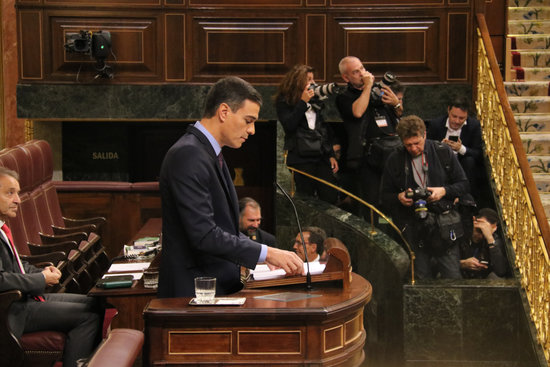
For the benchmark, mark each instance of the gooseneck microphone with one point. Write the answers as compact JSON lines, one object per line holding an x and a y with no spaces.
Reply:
{"x":308,"y":274}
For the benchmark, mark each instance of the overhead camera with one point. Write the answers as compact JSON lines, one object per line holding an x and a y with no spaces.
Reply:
{"x":322,"y":92}
{"x":95,"y":44}
{"x":376,"y":91}
{"x":419,"y":195}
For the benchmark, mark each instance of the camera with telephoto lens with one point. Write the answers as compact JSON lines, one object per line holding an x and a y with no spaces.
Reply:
{"x":321,"y":92}
{"x":419,"y":195}
{"x":376,"y":91}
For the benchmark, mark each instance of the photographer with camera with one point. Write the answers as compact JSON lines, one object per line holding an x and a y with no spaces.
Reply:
{"x":308,"y":138}
{"x":420,"y":184}
{"x":250,"y":218}
{"x":483,"y":256}
{"x":370,"y":112}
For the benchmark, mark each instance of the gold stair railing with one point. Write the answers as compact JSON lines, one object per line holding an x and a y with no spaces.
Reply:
{"x":522,"y":211}
{"x":363,"y":202}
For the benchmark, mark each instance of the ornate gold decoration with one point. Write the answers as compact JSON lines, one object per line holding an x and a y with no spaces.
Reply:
{"x":29,"y":130}
{"x":522,"y":226}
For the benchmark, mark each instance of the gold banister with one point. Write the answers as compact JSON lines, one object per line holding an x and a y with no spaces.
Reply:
{"x":362,"y":202}
{"x":522,"y":211}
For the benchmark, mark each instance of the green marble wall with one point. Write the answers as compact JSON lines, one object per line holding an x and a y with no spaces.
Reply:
{"x":467,"y":323}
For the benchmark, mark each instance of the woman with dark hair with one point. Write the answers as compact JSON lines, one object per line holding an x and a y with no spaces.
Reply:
{"x":307,"y":136}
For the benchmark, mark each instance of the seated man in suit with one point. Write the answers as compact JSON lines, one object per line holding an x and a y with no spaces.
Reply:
{"x":314,"y":238}
{"x":463,"y":134}
{"x":250,"y":219}
{"x":74,"y":314}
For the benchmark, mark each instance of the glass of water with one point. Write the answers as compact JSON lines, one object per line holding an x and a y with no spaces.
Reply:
{"x":205,"y":289}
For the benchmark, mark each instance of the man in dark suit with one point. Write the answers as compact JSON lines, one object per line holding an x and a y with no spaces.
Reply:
{"x":250,"y":218}
{"x":463,"y":134}
{"x":200,"y":213}
{"x":74,"y":314}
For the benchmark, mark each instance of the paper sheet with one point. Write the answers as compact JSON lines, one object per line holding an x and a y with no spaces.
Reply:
{"x":128,"y":267}
{"x":262,"y":272}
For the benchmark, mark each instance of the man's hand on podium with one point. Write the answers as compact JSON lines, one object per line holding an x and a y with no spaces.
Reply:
{"x":287,"y":260}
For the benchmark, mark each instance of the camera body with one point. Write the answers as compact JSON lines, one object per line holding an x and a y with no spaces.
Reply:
{"x":419,"y":195}
{"x":376,"y":91}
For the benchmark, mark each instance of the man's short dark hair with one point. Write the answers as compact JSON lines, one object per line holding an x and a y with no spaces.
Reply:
{"x":316,"y":236}
{"x":460,"y":102}
{"x":8,"y":172}
{"x":410,"y":126}
{"x":489,"y":214}
{"x":231,"y":90}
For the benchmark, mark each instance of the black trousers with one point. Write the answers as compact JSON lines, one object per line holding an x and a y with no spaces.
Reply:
{"x":308,"y":186}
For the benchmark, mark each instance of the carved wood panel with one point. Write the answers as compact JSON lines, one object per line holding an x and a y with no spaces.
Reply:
{"x":200,"y":41}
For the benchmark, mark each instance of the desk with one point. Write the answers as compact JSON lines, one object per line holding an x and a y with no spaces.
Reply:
{"x":323,"y":330}
{"x":130,"y":302}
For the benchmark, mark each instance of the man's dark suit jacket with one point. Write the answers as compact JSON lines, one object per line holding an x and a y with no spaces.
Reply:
{"x":200,"y":221}
{"x":470,"y":135}
{"x":31,"y":283}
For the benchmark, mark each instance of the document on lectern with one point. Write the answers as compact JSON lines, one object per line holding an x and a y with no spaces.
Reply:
{"x":262,"y":271}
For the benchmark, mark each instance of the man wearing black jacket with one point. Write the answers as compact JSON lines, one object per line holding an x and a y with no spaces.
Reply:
{"x":420,"y":166}
{"x":484,"y":255}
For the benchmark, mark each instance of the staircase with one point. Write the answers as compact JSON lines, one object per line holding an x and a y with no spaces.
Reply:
{"x":527,"y":83}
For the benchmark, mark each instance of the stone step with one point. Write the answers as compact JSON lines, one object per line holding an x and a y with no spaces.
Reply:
{"x":530,"y":74}
{"x":545,"y":199}
{"x":542,"y":180}
{"x":530,"y":12}
{"x":536,"y":104}
{"x":539,"y":163}
{"x":533,"y":122}
{"x":529,"y":58}
{"x":526,"y":26}
{"x":536,"y":143}
{"x":527,"y":89}
{"x":526,"y":3}
{"x":530,"y":41}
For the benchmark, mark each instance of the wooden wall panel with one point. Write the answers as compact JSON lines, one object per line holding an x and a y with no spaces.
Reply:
{"x":30,"y":35}
{"x":316,"y":45}
{"x":458,"y":46}
{"x":406,"y":46}
{"x":135,"y":47}
{"x":198,"y":41}
{"x":259,"y":49}
{"x":174,"y":35}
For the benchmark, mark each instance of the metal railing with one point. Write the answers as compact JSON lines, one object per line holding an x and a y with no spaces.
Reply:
{"x":372,"y":208}
{"x":522,"y":212}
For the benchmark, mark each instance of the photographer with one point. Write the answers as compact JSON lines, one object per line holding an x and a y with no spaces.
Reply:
{"x":484,"y":256}
{"x":370,"y":112}
{"x":307,"y":136}
{"x":419,"y":186}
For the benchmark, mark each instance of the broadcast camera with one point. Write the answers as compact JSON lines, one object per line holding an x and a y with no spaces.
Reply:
{"x":419,"y":195}
{"x":321,"y":92}
{"x":95,"y":44}
{"x":376,"y":91}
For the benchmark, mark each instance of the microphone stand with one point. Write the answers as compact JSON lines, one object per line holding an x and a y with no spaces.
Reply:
{"x":308,"y":274}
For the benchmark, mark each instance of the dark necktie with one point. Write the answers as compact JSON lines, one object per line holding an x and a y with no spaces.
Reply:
{"x":7,"y":231}
{"x":220,"y":160}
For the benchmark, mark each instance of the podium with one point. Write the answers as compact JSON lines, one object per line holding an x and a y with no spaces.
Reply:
{"x":279,"y":325}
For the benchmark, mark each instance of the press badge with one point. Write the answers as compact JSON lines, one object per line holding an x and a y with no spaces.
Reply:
{"x":381,"y":121}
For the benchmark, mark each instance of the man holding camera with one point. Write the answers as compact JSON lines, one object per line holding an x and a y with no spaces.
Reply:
{"x":420,"y":183}
{"x":463,"y":134}
{"x":370,"y":112}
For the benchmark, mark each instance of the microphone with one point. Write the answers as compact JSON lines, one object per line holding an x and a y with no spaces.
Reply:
{"x":308,"y":274}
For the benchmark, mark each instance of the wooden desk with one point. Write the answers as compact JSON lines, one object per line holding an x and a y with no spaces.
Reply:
{"x":130,"y":302}
{"x":323,"y":330}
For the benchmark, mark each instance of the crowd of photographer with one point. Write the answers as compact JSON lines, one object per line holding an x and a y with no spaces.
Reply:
{"x":420,"y":173}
